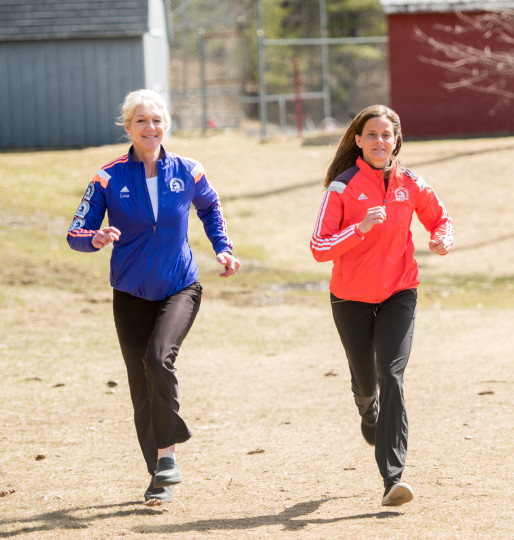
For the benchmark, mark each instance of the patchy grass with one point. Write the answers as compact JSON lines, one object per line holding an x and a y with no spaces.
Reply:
{"x":276,"y":451}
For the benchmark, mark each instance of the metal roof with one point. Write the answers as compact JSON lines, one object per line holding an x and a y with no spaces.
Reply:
{"x":413,"y":6}
{"x":22,"y":20}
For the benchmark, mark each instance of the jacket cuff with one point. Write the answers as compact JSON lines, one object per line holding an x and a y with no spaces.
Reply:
{"x":223,"y":250}
{"x":358,"y":232}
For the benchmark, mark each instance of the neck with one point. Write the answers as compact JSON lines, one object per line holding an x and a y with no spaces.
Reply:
{"x":149,"y":161}
{"x":150,"y":170}
{"x":385,"y":169}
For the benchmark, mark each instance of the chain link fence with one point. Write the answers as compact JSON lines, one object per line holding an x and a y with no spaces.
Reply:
{"x":223,"y":75}
{"x":207,"y":54}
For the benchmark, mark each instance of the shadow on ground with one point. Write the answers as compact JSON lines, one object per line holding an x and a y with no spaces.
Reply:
{"x":65,"y":520}
{"x":291,"y":519}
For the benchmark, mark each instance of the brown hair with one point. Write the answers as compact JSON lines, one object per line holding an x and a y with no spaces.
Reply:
{"x":348,"y":151}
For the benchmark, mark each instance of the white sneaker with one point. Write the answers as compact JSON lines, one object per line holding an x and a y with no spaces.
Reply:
{"x":397,"y":494}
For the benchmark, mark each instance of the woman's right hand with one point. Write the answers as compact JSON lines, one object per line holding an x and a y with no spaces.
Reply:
{"x":105,"y":236}
{"x":374,"y":215}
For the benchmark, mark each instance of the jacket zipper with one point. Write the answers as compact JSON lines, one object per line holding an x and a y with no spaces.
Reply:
{"x":154,"y":226}
{"x":379,"y":276}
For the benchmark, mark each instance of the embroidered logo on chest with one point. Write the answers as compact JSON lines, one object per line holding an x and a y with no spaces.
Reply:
{"x":401,"y":194}
{"x":124,"y":193}
{"x":177,"y":185}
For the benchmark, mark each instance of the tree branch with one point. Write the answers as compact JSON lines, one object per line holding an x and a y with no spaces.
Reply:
{"x":488,"y":70}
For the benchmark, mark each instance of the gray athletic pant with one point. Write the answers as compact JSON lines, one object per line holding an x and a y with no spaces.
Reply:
{"x":377,"y":339}
{"x":150,"y":335}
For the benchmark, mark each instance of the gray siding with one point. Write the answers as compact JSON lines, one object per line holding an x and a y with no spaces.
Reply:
{"x":65,"y":66}
{"x":55,"y":93}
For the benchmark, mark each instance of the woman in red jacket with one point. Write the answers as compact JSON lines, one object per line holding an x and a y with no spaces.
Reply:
{"x":363,"y":226}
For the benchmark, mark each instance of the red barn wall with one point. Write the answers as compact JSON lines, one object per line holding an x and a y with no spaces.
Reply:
{"x":425,"y":107}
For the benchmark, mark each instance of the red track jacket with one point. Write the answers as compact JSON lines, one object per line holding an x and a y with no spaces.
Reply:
{"x":371,"y":267}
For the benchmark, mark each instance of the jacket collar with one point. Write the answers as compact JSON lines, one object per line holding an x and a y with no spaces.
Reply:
{"x":369,"y":170}
{"x":377,"y":174}
{"x":162,"y":163}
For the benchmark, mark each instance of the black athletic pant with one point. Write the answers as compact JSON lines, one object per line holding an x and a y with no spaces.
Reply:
{"x":150,"y":335}
{"x":377,"y":339}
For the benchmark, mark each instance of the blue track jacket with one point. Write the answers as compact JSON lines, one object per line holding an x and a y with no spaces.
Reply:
{"x":152,"y":258}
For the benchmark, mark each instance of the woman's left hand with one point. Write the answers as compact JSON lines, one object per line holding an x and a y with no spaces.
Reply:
{"x":230,"y":263}
{"x":437,"y":246}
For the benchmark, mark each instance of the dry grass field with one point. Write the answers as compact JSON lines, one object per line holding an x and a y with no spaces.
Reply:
{"x":276,"y":449}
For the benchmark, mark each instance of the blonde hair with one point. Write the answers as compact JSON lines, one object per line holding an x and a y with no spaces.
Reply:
{"x":143,"y":96}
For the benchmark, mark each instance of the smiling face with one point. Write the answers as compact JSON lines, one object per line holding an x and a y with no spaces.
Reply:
{"x":377,"y":141}
{"x":146,"y":129}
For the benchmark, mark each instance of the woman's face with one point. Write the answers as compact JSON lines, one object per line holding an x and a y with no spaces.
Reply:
{"x":377,"y":141}
{"x":146,"y":128}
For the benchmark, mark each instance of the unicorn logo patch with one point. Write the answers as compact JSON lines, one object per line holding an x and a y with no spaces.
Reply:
{"x":177,"y":185}
{"x":401,"y":194}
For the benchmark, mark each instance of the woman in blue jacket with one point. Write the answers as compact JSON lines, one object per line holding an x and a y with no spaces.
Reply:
{"x":147,"y":194}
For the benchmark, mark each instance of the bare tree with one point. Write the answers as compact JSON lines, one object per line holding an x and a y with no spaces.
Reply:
{"x":488,"y":69}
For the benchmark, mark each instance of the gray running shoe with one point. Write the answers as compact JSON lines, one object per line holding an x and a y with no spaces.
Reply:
{"x":168,"y":473}
{"x":156,"y":496}
{"x":397,"y":494}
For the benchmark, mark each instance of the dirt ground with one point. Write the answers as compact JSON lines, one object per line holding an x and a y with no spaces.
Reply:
{"x":276,"y":450}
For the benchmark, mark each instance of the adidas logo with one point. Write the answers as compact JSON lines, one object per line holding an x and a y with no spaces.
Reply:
{"x":124,"y":193}
{"x":362,"y":197}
